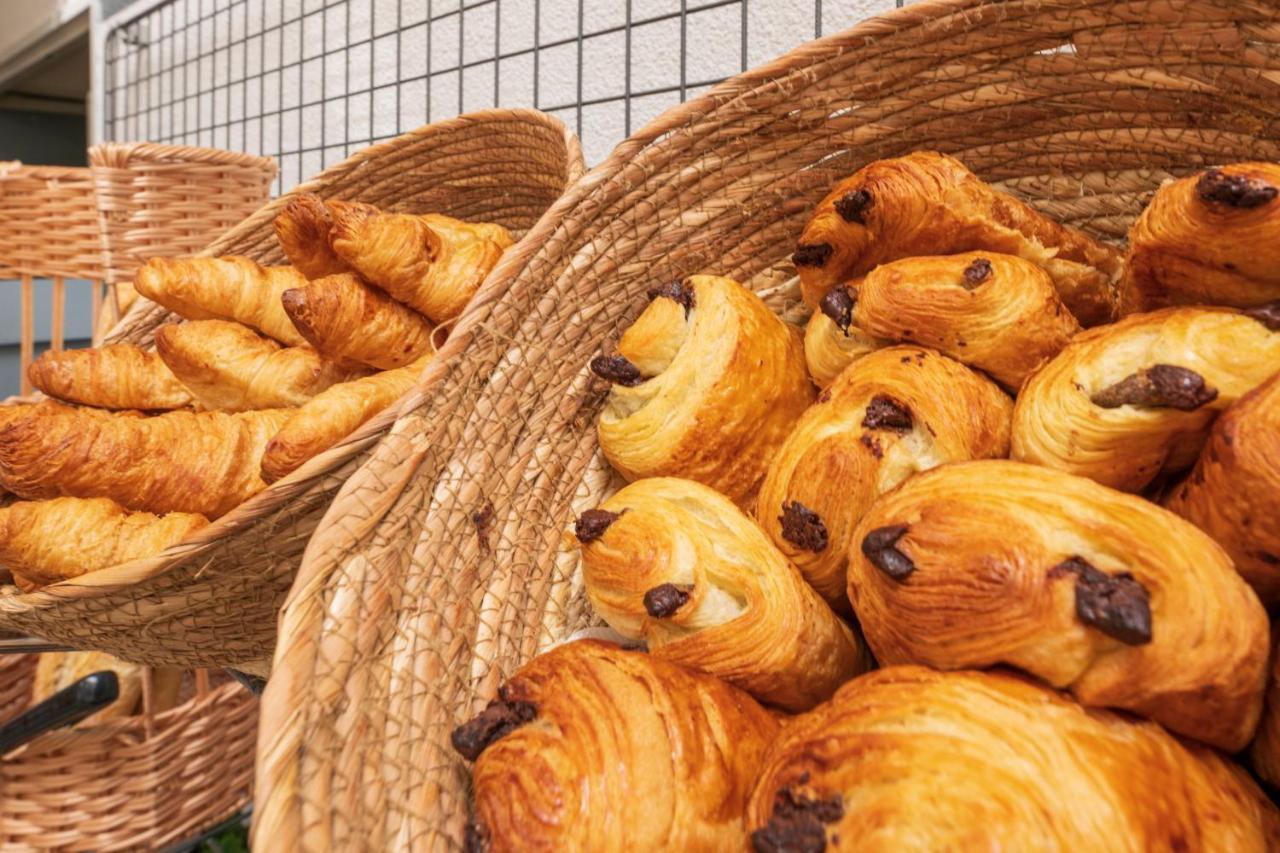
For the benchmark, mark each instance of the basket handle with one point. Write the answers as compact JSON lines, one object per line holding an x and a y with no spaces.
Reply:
{"x":64,"y":708}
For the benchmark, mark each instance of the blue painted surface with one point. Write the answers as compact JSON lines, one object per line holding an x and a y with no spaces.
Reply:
{"x":77,"y":329}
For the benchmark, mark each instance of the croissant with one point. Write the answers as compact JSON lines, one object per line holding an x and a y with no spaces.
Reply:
{"x":929,"y":204}
{"x":45,"y":542}
{"x":890,"y":414}
{"x":232,"y":368}
{"x":332,"y":415}
{"x":432,"y":263}
{"x":197,"y":462}
{"x":1234,"y":491}
{"x":910,"y":759}
{"x":346,"y":319}
{"x":997,"y":313}
{"x":118,"y":376}
{"x":1211,"y":239}
{"x":302,"y":230}
{"x":829,"y":349}
{"x":230,"y":288}
{"x":675,"y":563}
{"x":1092,"y":590}
{"x":1125,"y":403}
{"x":706,"y":386}
{"x":589,"y":747}
{"x":58,"y":670}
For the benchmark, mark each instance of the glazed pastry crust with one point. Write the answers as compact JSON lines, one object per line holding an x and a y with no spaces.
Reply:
{"x":929,"y":204}
{"x":1233,"y":493}
{"x":231,"y":368}
{"x":968,"y":761}
{"x":118,"y":376}
{"x":197,"y":462}
{"x":748,"y":616}
{"x":835,"y":466}
{"x":302,"y":229}
{"x":432,"y":263}
{"x":230,"y":288}
{"x":346,"y":319}
{"x":723,"y":383}
{"x":1056,"y":423}
{"x":332,"y":415}
{"x":58,"y":670}
{"x":828,"y":349}
{"x":1210,"y":239}
{"x":45,"y":542}
{"x":989,"y":541}
{"x":625,"y":752}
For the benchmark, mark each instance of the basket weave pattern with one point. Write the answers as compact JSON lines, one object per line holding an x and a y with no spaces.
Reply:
{"x":37,"y":202}
{"x":213,"y":600}
{"x":441,"y":567}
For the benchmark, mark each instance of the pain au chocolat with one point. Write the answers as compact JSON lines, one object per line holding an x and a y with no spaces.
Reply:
{"x":592,"y":748}
{"x":1095,"y":591}
{"x":927,"y":203}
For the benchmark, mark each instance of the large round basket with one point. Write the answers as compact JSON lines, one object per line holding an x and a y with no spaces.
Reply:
{"x":440,"y":566}
{"x":212,"y":600}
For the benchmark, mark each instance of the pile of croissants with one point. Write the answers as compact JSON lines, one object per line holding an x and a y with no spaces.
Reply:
{"x":980,"y":561}
{"x":135,"y":450}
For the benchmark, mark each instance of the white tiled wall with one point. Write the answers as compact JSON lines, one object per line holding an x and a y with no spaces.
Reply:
{"x":309,"y":81}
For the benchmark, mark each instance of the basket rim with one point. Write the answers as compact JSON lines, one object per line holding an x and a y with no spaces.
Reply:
{"x":120,"y":155}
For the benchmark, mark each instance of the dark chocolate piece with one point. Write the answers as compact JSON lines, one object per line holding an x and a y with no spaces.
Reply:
{"x":592,"y":524}
{"x":680,"y":291}
{"x":853,"y":206}
{"x":665,"y":599}
{"x":838,"y":305}
{"x":1162,"y":386}
{"x":880,"y":547}
{"x":797,"y":824}
{"x":811,"y":256}
{"x":884,"y":412}
{"x":1238,"y":191}
{"x":803,"y":527}
{"x":1268,"y":315}
{"x":497,"y":720}
{"x":616,"y":369}
{"x":976,"y":273}
{"x":1117,"y":605}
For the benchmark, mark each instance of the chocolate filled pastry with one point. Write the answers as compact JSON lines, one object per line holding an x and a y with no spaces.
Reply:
{"x":1128,"y":402}
{"x":831,"y":345}
{"x":929,"y":204}
{"x":44,"y":542}
{"x":1094,"y":591}
{"x":906,"y":758}
{"x":196,"y":462}
{"x":891,"y":414}
{"x":118,"y":376}
{"x":302,"y":230}
{"x":997,"y":313}
{"x":348,"y":320}
{"x":592,"y":748}
{"x":706,"y":385}
{"x":1210,"y":239}
{"x":432,"y":263}
{"x":675,"y":563}
{"x":1233,"y":493}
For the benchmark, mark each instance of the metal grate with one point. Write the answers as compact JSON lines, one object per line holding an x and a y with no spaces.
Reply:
{"x":309,"y":81}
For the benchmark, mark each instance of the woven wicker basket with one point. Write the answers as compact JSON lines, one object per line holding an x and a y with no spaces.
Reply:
{"x":213,"y":600}
{"x":16,"y":672}
{"x":440,"y":566}
{"x":136,"y":783}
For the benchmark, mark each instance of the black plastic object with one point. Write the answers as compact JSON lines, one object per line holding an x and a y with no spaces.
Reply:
{"x":64,"y":708}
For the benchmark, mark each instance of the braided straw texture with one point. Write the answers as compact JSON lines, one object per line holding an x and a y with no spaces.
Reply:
{"x":134,"y":783}
{"x":16,"y":672}
{"x":48,"y":222}
{"x":213,"y":600}
{"x":441,"y":567}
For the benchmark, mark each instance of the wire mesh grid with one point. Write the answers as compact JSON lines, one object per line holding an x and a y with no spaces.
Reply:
{"x":310,"y":81}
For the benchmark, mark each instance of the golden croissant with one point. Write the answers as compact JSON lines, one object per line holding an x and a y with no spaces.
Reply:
{"x":332,"y":415}
{"x":1095,"y":591}
{"x":929,"y":204}
{"x":346,"y":319}
{"x":908,"y":759}
{"x":198,"y":462}
{"x":118,"y":376}
{"x":1233,"y":493}
{"x":706,"y":385}
{"x":1125,"y":403}
{"x":302,"y":230}
{"x":890,"y":414}
{"x":592,"y":748}
{"x":231,"y":368}
{"x":230,"y":288}
{"x":1210,"y":239}
{"x":997,"y":313}
{"x":58,"y":670}
{"x":431,"y":263}
{"x":44,"y":542}
{"x":677,"y":564}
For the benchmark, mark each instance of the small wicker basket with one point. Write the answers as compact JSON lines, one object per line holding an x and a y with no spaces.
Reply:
{"x":440,"y":567}
{"x":213,"y":599}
